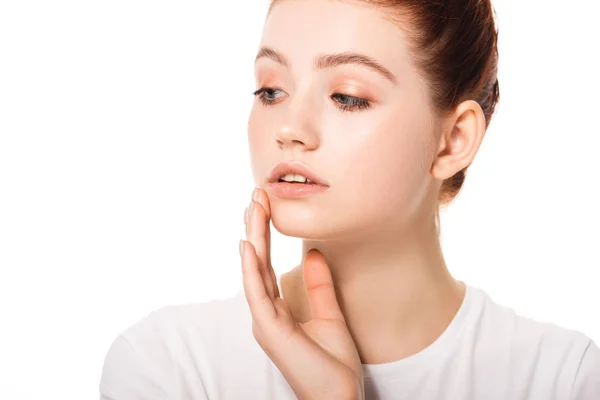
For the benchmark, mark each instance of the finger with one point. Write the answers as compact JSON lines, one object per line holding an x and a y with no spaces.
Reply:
{"x":256,"y":233}
{"x":263,"y":199}
{"x":261,"y":305}
{"x":319,"y":287}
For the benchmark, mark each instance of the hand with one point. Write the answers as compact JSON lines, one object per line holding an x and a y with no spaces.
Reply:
{"x":318,"y":358}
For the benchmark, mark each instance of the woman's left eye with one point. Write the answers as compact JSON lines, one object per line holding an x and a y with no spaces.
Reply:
{"x":350,"y":103}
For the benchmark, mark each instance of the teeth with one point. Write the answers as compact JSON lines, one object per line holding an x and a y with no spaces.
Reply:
{"x":295,"y":178}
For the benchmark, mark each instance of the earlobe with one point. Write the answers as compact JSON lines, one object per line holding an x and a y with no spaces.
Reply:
{"x":460,"y":141}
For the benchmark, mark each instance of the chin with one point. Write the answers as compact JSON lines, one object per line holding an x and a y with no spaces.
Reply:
{"x":302,"y":220}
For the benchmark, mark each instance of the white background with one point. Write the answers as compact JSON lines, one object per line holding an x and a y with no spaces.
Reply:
{"x":124,"y":174}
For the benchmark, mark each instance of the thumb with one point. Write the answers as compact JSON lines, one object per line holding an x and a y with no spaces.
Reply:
{"x":319,"y":287}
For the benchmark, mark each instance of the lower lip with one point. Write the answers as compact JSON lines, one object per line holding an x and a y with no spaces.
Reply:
{"x":295,"y":190}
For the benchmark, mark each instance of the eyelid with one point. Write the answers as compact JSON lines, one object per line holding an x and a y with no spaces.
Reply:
{"x":352,"y":91}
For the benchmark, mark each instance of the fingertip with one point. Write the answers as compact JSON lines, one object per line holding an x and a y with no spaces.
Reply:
{"x":262,"y":207}
{"x":314,"y":252}
{"x":263,"y":198}
{"x":247,"y":248}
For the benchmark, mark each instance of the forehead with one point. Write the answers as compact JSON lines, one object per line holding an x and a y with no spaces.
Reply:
{"x":304,"y":29}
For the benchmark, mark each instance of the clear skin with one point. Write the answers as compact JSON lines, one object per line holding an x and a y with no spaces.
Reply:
{"x":378,"y":264}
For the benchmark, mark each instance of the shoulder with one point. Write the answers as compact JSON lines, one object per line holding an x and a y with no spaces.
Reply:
{"x":154,"y":353}
{"x":199,"y":327}
{"x":175,"y":323}
{"x":586,"y":384}
{"x":534,"y":350}
{"x":504,"y":324}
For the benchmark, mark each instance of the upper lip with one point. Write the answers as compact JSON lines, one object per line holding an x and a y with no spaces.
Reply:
{"x":295,"y":167}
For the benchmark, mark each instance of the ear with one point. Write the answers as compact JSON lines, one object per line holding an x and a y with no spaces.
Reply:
{"x":460,"y":140}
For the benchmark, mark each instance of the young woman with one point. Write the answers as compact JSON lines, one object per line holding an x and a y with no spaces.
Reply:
{"x":367,"y":115}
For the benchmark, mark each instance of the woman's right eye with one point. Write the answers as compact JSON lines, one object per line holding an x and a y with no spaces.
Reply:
{"x":266,"y":94}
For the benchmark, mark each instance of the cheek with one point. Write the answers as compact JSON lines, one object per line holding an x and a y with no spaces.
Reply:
{"x":258,"y":138}
{"x":391,"y":168}
{"x":256,"y":130}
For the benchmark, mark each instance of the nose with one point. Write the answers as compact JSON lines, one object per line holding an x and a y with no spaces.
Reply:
{"x":297,"y":128}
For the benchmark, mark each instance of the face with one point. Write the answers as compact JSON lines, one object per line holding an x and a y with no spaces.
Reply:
{"x":369,"y":134}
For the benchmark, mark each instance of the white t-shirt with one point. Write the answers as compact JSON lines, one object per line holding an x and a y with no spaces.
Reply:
{"x":207,"y":351}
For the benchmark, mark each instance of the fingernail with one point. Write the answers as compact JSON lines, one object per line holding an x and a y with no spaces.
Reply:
{"x":255,"y":194}
{"x":241,"y":247}
{"x":251,"y":209}
{"x":246,"y":216}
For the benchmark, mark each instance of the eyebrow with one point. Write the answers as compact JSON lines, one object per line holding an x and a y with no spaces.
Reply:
{"x":330,"y":61}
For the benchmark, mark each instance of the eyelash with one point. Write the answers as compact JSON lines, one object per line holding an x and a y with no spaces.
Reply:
{"x":355,"y":103}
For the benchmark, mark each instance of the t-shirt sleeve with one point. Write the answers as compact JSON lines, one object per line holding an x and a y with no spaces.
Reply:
{"x":125,"y":375}
{"x":587,"y":380}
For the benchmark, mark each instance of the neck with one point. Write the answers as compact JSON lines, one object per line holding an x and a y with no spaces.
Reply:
{"x":393,"y":288}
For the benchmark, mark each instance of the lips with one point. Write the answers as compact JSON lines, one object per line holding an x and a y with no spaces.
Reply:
{"x":294,"y":167}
